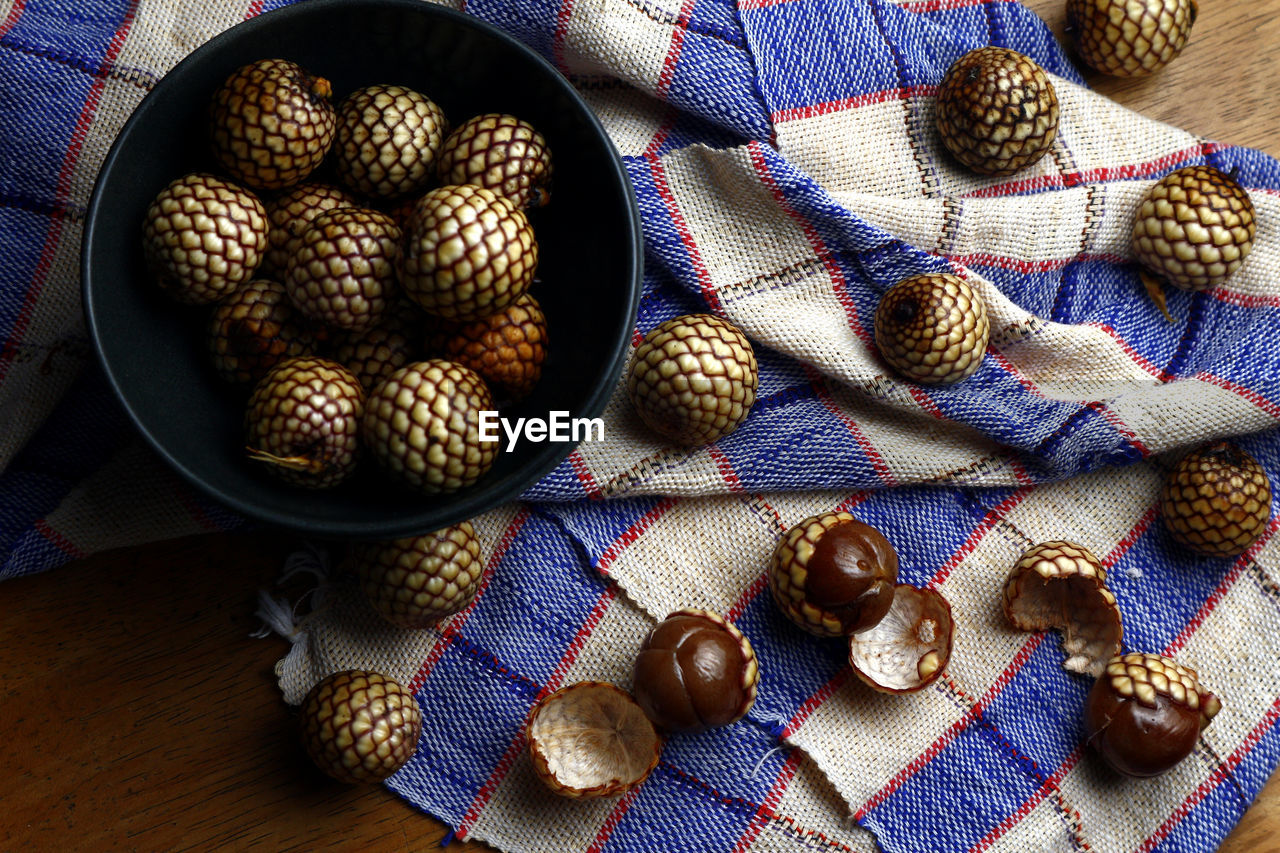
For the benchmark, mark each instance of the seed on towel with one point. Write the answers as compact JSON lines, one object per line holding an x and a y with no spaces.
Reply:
{"x":202,"y":237}
{"x":695,"y":671}
{"x":833,"y":575}
{"x":591,"y":739}
{"x":932,"y":328}
{"x":417,"y":581}
{"x":467,"y":253}
{"x":1216,"y":500}
{"x":360,"y":726}
{"x":1129,"y":38}
{"x":387,"y":141}
{"x":1145,"y":713}
{"x":499,"y":152}
{"x":1062,"y":585}
{"x":422,"y":425}
{"x":910,"y":647}
{"x":997,"y":111}
{"x":1194,"y":228}
{"x":303,"y":422}
{"x":693,"y":379}
{"x":272,"y":123}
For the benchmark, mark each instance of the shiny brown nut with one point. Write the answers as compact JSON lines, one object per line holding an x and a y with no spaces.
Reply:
{"x":302,"y":422}
{"x":203,"y":237}
{"x":693,"y":379}
{"x":833,"y":575}
{"x":507,"y":349}
{"x":272,"y":123}
{"x":932,"y":328}
{"x":695,"y":671}
{"x":997,"y":111}
{"x":422,"y":425}
{"x":290,"y":214}
{"x":417,"y":581}
{"x":387,"y":140}
{"x":1145,"y":713}
{"x":502,"y":153}
{"x":467,"y":253}
{"x":254,"y":329}
{"x":1194,"y":228}
{"x":1062,"y":585}
{"x":910,"y":647}
{"x":360,"y":726}
{"x":375,"y":354}
{"x":1129,"y":38}
{"x":342,"y":272}
{"x":591,"y":739}
{"x":1216,"y":500}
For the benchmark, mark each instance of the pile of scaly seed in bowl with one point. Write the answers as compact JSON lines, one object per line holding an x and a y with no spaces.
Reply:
{"x":377,"y":310}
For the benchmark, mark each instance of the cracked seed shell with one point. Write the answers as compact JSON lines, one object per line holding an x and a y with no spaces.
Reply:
{"x":467,"y":253}
{"x":507,"y":349}
{"x":910,"y":647}
{"x":254,"y":329}
{"x":203,"y":237}
{"x":342,"y":273}
{"x":416,"y":581}
{"x":695,"y":671}
{"x":1194,"y":228}
{"x":272,"y":123}
{"x":932,"y":328}
{"x":693,"y":379}
{"x":1129,"y":38}
{"x":387,"y":140}
{"x":1216,"y":500}
{"x":1062,"y":585}
{"x":833,"y":575}
{"x":1145,"y":713}
{"x":302,"y":422}
{"x":502,"y":153}
{"x":360,"y":726}
{"x":997,"y":111}
{"x":290,"y":214}
{"x":422,"y":425}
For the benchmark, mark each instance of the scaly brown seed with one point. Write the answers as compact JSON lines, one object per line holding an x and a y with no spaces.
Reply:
{"x":290,"y":214}
{"x":932,"y":328}
{"x":360,"y":726}
{"x":507,"y":349}
{"x":387,"y":140}
{"x":1216,"y":500}
{"x":1129,"y":38}
{"x":254,"y":329}
{"x":417,"y":581}
{"x":343,"y":272}
{"x":502,"y":153}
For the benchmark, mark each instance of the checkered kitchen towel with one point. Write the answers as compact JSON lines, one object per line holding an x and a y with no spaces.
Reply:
{"x":786,"y":168}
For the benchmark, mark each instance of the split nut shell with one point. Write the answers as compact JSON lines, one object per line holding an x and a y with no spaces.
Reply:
{"x":910,"y":647}
{"x":203,"y":237}
{"x":833,"y":575}
{"x":303,"y":422}
{"x":417,"y":581}
{"x":360,"y":726}
{"x":695,"y":671}
{"x":1194,"y":228}
{"x":272,"y":123}
{"x":932,"y":328}
{"x":591,"y":739}
{"x":693,"y":379}
{"x":997,"y":111}
{"x":1216,"y":500}
{"x":467,"y":253}
{"x":422,"y":425}
{"x":1145,"y":713}
{"x":1129,"y":38}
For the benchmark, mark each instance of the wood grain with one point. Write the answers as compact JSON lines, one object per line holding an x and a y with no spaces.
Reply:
{"x":138,"y":712}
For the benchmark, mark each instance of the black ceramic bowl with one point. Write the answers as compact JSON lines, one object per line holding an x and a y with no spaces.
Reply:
{"x":153,"y":349}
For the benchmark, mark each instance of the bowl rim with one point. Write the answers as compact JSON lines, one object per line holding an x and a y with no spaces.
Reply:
{"x":467,"y":503}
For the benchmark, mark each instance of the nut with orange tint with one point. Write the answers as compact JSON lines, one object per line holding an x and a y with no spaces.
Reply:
{"x":591,"y":739}
{"x":695,"y":671}
{"x":833,"y":575}
{"x":910,"y":647}
{"x":1062,"y":585}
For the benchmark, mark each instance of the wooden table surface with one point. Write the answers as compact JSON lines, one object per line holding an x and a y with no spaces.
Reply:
{"x":138,"y":713}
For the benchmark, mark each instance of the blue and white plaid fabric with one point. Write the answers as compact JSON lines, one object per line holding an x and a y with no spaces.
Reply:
{"x":783,"y":155}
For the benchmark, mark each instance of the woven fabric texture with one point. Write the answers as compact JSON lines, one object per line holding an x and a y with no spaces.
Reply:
{"x":787,"y":169}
